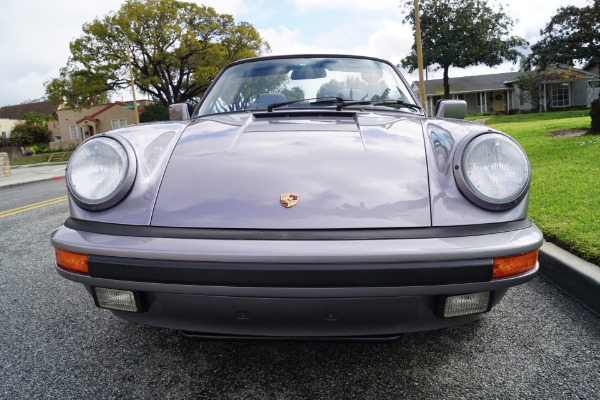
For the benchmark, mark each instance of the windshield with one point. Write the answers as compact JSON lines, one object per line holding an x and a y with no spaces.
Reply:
{"x":308,"y":82}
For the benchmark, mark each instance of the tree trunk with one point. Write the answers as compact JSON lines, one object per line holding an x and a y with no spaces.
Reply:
{"x":446,"y":84}
{"x":595,"y":114}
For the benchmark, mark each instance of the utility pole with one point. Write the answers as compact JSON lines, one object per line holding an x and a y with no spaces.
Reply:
{"x":135,"y":107}
{"x":419,"y":56}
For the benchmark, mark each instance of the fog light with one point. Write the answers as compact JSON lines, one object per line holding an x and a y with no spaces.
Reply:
{"x":122,"y":300}
{"x":466,"y":304}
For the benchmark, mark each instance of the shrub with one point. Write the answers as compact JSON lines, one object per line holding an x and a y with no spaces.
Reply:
{"x":154,"y":112}
{"x":40,"y":148}
{"x":27,"y":134}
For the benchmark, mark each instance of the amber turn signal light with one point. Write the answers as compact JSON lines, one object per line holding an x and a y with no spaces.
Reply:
{"x":75,"y":262}
{"x":512,"y":265}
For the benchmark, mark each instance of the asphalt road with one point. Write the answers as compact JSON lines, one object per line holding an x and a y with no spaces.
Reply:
{"x":54,"y":344}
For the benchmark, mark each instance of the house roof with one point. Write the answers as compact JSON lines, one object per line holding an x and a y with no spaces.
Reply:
{"x":17,"y":111}
{"x":91,"y":116}
{"x":591,"y":67}
{"x":87,"y":118}
{"x":474,"y":83}
{"x":105,"y":107}
{"x":490,"y":82}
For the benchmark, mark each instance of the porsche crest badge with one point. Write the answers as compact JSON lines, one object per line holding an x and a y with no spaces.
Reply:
{"x":288,"y":199}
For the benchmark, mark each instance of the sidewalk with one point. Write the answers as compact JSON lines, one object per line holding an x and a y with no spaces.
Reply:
{"x":574,"y":276}
{"x":33,"y":173}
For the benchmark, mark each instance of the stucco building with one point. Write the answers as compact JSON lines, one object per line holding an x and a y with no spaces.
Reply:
{"x":77,"y":124}
{"x":6,"y":127}
{"x":11,"y":115}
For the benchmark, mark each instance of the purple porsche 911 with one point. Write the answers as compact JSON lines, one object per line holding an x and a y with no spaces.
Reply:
{"x":306,"y":196}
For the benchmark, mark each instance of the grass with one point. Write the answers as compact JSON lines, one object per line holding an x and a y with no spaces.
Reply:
{"x":36,"y":159}
{"x":501,"y":118}
{"x":565,"y":190}
{"x":540,"y":116}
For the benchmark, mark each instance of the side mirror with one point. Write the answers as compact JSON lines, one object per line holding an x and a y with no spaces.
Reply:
{"x":180,"y":112}
{"x":451,"y":109}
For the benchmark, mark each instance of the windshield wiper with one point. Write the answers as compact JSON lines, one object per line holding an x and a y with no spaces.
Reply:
{"x":378,"y":103}
{"x":400,"y":102}
{"x":326,"y":99}
{"x":341,"y":103}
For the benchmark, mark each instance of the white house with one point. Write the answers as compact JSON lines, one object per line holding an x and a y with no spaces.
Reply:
{"x":559,"y":87}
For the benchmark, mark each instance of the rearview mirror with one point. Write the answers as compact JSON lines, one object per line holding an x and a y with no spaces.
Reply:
{"x":306,"y":72}
{"x":451,"y":109}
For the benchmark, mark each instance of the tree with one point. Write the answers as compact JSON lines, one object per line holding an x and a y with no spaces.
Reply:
{"x":177,"y":48}
{"x":27,"y":134}
{"x":529,"y":83}
{"x":35,"y":118}
{"x":461,"y":34}
{"x":529,"y":89}
{"x":154,"y":112}
{"x":572,"y":36}
{"x":595,"y":114}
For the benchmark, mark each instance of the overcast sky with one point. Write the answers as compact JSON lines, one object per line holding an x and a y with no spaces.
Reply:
{"x":35,"y":34}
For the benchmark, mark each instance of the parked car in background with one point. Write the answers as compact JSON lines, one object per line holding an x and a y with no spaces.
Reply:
{"x":306,"y":196}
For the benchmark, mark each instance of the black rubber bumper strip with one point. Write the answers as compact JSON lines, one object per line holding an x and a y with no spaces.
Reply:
{"x":296,"y":234}
{"x":291,"y":275}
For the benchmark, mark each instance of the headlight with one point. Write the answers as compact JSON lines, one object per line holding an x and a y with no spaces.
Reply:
{"x":492,"y":171}
{"x":101,"y":172}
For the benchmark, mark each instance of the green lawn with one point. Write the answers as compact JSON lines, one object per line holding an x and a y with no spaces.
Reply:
{"x":36,"y":159}
{"x":565,"y":188}
{"x":543,"y":116}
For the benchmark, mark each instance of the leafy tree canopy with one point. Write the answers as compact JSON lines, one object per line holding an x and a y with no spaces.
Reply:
{"x":177,"y":48}
{"x":35,"y":118}
{"x":572,"y":36}
{"x":461,"y":33}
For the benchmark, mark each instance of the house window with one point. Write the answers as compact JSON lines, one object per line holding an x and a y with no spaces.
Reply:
{"x":560,"y":94}
{"x":4,"y":135}
{"x":73,"y":132}
{"x":118,"y":123}
{"x":57,"y":138}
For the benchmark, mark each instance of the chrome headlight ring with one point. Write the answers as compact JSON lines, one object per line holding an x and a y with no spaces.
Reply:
{"x":101,"y":172}
{"x":492,"y":170}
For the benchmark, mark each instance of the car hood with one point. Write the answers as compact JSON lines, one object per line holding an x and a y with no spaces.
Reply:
{"x":348,"y":170}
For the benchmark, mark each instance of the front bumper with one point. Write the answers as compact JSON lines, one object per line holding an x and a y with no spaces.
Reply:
{"x":297,"y":288}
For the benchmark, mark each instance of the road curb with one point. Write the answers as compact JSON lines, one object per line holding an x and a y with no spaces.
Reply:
{"x":577,"y":278}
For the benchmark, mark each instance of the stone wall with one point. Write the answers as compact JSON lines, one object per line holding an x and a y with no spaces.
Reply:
{"x":4,"y":165}
{"x":65,"y":144}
